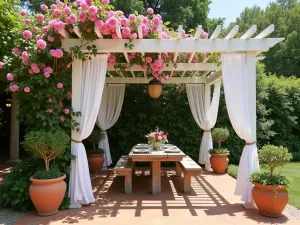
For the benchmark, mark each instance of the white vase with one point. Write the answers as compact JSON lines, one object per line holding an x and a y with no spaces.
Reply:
{"x":156,"y":145}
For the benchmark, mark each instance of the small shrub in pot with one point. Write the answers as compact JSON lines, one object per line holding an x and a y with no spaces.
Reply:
{"x":219,"y":156}
{"x":269,"y":191}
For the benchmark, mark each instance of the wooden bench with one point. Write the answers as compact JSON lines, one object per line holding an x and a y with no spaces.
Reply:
{"x":190,"y":168}
{"x":124,"y":168}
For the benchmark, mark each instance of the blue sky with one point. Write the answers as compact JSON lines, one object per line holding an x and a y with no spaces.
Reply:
{"x":230,"y":9}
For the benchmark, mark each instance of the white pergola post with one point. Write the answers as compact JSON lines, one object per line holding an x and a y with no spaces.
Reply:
{"x":76,"y":99}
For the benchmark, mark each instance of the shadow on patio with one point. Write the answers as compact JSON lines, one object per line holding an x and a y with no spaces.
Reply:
{"x":211,"y":201}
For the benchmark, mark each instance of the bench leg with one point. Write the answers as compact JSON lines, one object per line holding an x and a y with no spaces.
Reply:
{"x":187,"y":183}
{"x":178,"y":170}
{"x":156,"y":179}
{"x":128,"y":184}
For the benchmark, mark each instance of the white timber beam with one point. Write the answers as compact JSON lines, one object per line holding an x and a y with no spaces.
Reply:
{"x":173,"y":45}
{"x":142,"y":80}
{"x":64,"y":33}
{"x":180,"y":32}
{"x":216,"y":32}
{"x":214,"y":77}
{"x":98,"y":32}
{"x":233,"y":32}
{"x":77,"y":31}
{"x":173,"y":67}
{"x":140,"y":34}
{"x":249,"y":33}
{"x":266,"y":32}
{"x":160,"y":29}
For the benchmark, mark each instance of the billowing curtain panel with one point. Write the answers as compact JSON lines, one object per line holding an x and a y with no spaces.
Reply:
{"x":94,"y":72}
{"x":239,"y":75}
{"x":205,"y":113}
{"x":109,"y":112}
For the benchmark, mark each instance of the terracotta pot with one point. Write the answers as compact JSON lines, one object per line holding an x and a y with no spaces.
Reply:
{"x":270,"y":200}
{"x":47,"y":195}
{"x":219,"y":162}
{"x":96,"y":162}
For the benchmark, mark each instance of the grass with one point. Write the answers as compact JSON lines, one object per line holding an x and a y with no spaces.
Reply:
{"x":291,"y":171}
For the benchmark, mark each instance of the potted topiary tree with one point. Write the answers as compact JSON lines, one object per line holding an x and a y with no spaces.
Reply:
{"x":269,"y":191}
{"x":95,"y":155}
{"x":48,"y":187}
{"x":219,"y":156}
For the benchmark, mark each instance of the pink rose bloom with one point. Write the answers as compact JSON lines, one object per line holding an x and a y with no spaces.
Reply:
{"x":132,"y":17}
{"x":112,"y":22}
{"x":83,"y":5}
{"x":10,"y":77}
{"x":205,"y":35}
{"x":23,"y":12}
{"x":155,"y":28}
{"x":27,"y":34}
{"x":14,"y":88}
{"x":157,"y":20}
{"x":149,"y":60}
{"x":69,"y":93}
{"x":35,"y":29}
{"x":30,"y":71}
{"x":69,"y":65}
{"x":45,"y":29}
{"x":53,"y":7}
{"x":50,"y":100}
{"x":92,"y":10}
{"x":82,"y":16}
{"x":124,"y":22}
{"x":40,"y":17}
{"x":67,"y":11}
{"x":144,"y":67}
{"x":26,"y":62}
{"x":67,"y":111}
{"x":38,"y":37}
{"x":44,"y":7}
{"x":49,"y":111}
{"x":150,"y":11}
{"x":99,"y":23}
{"x":41,"y":44}
{"x":165,"y":55}
{"x":1,"y":65}
{"x":134,"y":36}
{"x":36,"y":70}
{"x":48,"y":69}
{"x":26,"y":89}
{"x":62,"y":118}
{"x":73,"y":18}
{"x":60,"y":85}
{"x":47,"y":75}
{"x":25,"y":55}
{"x":105,"y":2}
{"x":195,"y":59}
{"x":34,"y":66}
{"x":16,"y":51}
{"x":58,"y":53}
{"x":27,"y":21}
{"x":50,"y":38}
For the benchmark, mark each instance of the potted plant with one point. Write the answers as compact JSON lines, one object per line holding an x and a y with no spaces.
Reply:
{"x":47,"y":188}
{"x":156,"y":138}
{"x":95,"y":155}
{"x":219,"y":157}
{"x":269,"y":191}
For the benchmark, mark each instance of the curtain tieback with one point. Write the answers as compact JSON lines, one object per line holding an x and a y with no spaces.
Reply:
{"x":76,"y":141}
{"x":252,"y":143}
{"x":207,"y":130}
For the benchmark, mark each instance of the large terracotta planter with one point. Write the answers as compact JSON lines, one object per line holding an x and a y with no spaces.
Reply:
{"x":270,"y":200}
{"x":96,"y":162}
{"x":219,"y":162}
{"x":47,"y":195}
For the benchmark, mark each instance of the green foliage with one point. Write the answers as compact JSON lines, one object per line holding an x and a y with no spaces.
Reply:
{"x":219,"y":151}
{"x":51,"y":174}
{"x":271,"y":156}
{"x":93,"y":139}
{"x":46,"y":145}
{"x":265,"y":179}
{"x":99,"y":151}
{"x":233,"y":170}
{"x":219,"y":135}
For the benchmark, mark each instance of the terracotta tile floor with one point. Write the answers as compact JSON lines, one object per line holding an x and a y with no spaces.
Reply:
{"x":211,"y":202}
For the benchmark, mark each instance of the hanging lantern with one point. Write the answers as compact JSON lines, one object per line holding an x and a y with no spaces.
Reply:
{"x":154,"y":88}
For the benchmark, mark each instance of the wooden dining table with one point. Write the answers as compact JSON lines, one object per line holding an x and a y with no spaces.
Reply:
{"x":155,"y":157}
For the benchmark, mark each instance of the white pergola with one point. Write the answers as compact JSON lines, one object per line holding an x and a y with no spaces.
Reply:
{"x":190,"y":73}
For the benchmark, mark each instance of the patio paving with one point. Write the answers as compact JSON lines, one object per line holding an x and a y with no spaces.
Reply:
{"x":211,"y":202}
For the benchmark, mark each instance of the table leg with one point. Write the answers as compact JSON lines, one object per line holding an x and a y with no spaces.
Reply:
{"x":156,"y":179}
{"x":178,"y":170}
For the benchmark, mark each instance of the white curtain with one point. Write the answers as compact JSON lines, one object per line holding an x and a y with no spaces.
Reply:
{"x":239,"y":75}
{"x":205,"y":113}
{"x":109,"y":112}
{"x":93,"y":78}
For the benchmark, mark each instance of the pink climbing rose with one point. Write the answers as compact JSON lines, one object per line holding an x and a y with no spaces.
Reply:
{"x":49,"y":110}
{"x":58,"y":53}
{"x":16,"y":51}
{"x":62,"y":118}
{"x":92,"y":10}
{"x":44,"y":7}
{"x":10,"y":77}
{"x":41,"y":44}
{"x":149,"y":60}
{"x":150,"y":11}
{"x":40,"y":17}
{"x":1,"y":65}
{"x":106,"y":2}
{"x":60,"y":85}
{"x":66,"y":111}
{"x":23,"y":12}
{"x":26,"y":89}
{"x":14,"y":88}
{"x":205,"y":35}
{"x":46,"y":74}
{"x":27,"y":34}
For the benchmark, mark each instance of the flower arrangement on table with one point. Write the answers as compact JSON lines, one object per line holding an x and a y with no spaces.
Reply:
{"x":157,"y":137}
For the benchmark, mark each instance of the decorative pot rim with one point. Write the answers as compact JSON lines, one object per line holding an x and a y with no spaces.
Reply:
{"x":270,"y":187}
{"x":215,"y":154}
{"x":47,"y":181}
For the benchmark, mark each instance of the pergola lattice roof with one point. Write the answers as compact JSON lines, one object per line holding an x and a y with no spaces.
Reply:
{"x":203,"y":72}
